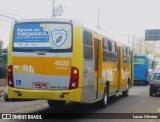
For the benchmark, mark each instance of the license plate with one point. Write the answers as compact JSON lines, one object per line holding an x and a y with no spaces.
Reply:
{"x":40,"y":86}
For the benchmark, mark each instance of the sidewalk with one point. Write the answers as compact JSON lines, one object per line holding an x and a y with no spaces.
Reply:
{"x":3,"y":84}
{"x":2,"y":88}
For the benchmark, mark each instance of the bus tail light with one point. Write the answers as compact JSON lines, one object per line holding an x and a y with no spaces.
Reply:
{"x":74,"y":78}
{"x":146,"y":73}
{"x":10,"y":76}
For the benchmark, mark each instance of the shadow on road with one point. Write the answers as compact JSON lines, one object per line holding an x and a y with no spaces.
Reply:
{"x":18,"y":100}
{"x":140,"y":84}
{"x":156,"y":95}
{"x":78,"y":110}
{"x":72,"y":107}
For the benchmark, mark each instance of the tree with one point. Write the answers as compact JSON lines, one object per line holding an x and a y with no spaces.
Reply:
{"x":1,"y":44}
{"x":148,"y":51}
{"x":4,"y":57}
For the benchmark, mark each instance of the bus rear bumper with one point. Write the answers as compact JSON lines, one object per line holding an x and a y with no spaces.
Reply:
{"x":64,"y":95}
{"x":141,"y":79}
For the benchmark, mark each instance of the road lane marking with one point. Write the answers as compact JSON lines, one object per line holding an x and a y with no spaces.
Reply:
{"x":22,"y":110}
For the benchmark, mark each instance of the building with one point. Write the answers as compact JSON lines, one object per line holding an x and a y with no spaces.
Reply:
{"x":142,"y":46}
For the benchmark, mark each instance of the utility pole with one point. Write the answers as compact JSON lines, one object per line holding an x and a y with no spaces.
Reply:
{"x":57,"y":11}
{"x":133,"y":42}
{"x":128,"y":38}
{"x":53,"y":8}
{"x":98,"y":19}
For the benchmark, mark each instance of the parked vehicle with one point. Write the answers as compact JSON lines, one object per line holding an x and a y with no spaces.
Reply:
{"x":154,"y":83}
{"x":143,"y":68}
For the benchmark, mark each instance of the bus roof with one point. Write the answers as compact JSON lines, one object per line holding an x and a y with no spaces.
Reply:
{"x":105,"y":35}
{"x":75,"y":22}
{"x":144,"y":55}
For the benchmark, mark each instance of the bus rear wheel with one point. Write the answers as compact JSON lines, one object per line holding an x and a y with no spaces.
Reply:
{"x":104,"y":101}
{"x":56,"y":104}
{"x":125,"y":93}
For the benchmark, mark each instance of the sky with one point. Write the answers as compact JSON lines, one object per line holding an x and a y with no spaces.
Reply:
{"x":120,"y":19}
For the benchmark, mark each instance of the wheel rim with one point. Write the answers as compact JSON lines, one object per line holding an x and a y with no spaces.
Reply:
{"x":127,"y":87}
{"x":105,"y":98}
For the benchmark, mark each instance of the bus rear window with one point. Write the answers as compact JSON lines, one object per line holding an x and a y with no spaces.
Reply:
{"x":42,"y":36}
{"x":139,"y":60}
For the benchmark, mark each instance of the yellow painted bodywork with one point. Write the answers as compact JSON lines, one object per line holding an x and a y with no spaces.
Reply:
{"x":50,"y":69}
{"x":72,"y":95}
{"x":39,"y":65}
{"x":107,"y":71}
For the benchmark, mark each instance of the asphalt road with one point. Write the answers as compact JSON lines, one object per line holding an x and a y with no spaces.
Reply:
{"x":138,"y":101}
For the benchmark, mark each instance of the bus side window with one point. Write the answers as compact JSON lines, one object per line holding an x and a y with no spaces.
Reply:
{"x":113,"y":52}
{"x":87,"y":45}
{"x":124,"y":54}
{"x":106,"y":50}
{"x":128,"y":55}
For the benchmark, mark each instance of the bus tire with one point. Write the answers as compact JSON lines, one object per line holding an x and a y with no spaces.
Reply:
{"x":151,"y":92}
{"x":147,"y":83}
{"x":125,"y":93}
{"x":104,"y":101}
{"x":6,"y":99}
{"x":56,"y":104}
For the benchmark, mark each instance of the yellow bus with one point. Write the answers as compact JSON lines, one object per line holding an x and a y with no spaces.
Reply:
{"x":59,"y":60}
